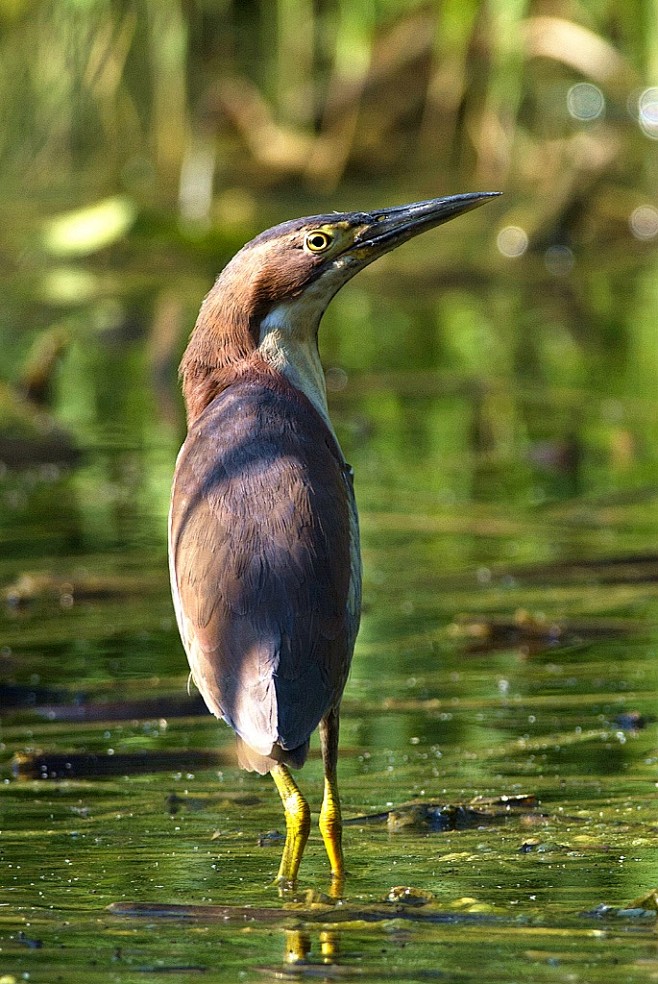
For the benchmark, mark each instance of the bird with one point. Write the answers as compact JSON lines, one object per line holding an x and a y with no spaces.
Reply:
{"x":263,"y":536}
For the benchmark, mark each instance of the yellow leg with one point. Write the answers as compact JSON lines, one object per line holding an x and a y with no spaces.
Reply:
{"x":298,"y":824}
{"x":331,"y":826}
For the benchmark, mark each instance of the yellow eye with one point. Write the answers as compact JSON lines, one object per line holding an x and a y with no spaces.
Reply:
{"x":317,"y":241}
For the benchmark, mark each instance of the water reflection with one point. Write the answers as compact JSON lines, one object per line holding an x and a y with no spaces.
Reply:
{"x":299,"y":947}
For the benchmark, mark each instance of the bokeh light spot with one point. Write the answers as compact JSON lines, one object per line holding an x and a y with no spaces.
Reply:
{"x":644,"y":222}
{"x":648,"y":112}
{"x":512,"y":241}
{"x":336,"y":379}
{"x":585,"y":101}
{"x":559,"y":260}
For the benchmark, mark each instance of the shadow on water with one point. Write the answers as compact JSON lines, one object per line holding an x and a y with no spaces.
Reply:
{"x":499,"y":742}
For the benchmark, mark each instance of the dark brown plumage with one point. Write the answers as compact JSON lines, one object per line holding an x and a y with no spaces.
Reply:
{"x":272,"y":642}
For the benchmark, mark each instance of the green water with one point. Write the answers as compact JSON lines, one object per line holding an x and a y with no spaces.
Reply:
{"x":507,"y":483}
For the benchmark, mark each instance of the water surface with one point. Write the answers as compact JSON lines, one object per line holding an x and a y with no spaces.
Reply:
{"x":506,"y":476}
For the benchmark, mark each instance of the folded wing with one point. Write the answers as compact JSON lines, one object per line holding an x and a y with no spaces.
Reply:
{"x":260,"y":530}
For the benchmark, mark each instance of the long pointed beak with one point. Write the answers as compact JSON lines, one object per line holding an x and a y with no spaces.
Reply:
{"x":387,"y":228}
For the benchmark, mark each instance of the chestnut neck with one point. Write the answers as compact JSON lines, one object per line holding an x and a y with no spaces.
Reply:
{"x":223,"y":343}
{"x":254,"y":318}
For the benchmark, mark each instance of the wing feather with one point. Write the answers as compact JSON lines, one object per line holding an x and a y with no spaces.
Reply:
{"x":261,"y":524}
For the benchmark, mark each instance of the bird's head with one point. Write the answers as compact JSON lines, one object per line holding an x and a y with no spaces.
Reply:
{"x":271,"y":296}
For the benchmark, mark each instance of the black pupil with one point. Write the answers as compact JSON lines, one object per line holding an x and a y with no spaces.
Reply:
{"x":318,"y":241}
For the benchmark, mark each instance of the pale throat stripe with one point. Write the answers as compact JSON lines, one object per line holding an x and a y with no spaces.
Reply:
{"x":288,"y":341}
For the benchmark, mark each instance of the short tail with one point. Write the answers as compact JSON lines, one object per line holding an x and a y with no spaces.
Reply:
{"x":254,"y":761}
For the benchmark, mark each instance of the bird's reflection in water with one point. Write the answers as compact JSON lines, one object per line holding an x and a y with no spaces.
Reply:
{"x":299,"y":945}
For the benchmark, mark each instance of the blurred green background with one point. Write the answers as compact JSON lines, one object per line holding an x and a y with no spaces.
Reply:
{"x":143,"y":142}
{"x":186,"y":127}
{"x":513,"y":353}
